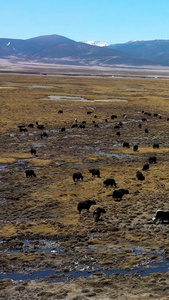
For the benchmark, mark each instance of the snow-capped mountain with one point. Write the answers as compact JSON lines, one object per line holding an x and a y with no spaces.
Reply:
{"x":61,"y":50}
{"x":97,"y":43}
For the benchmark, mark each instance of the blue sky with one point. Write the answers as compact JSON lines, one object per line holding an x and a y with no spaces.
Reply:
{"x":112,"y":21}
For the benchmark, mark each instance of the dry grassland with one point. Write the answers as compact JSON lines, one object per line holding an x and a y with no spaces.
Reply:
{"x":45,"y":207}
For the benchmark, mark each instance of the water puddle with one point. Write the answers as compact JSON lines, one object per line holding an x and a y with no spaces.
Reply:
{"x":86,"y":270}
{"x":113,"y":154}
{"x":22,"y":161}
{"x":41,"y":246}
{"x":38,"y":145}
{"x":40,"y":86}
{"x":7,"y":87}
{"x":58,"y":98}
{"x":3,"y":166}
{"x":46,"y":274}
{"x":61,"y":98}
{"x":13,"y":134}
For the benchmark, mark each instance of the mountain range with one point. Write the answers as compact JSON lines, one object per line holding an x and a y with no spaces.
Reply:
{"x":61,"y":50}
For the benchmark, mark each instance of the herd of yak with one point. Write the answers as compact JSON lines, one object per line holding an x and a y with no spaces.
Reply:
{"x":117,"y":195}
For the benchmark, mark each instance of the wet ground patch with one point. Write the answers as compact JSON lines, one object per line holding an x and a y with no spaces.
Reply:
{"x":152,"y":262}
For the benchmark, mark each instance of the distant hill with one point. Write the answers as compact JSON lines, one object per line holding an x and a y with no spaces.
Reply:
{"x":61,"y":50}
{"x":157,"y":50}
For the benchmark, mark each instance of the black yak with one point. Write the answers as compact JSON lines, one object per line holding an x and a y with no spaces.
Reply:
{"x":77,"y":176}
{"x":126,"y":145}
{"x":118,"y":194}
{"x":152,"y":160}
{"x":135,"y":148}
{"x":97,"y":213}
{"x":95,"y":172}
{"x":39,"y":126}
{"x":140,"y":176}
{"x":145,"y":167}
{"x":30,"y":173}
{"x":109,"y":181}
{"x":161,"y":216}
{"x":156,"y":146}
{"x":33,"y":151}
{"x":85,"y":205}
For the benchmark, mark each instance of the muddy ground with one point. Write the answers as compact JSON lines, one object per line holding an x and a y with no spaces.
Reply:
{"x":47,"y":249}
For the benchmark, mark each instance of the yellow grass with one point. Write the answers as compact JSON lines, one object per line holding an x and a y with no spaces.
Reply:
{"x":54,"y":183}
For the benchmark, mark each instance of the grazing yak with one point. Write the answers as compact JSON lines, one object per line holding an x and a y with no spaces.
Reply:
{"x":145,"y":167}
{"x":126,"y":145}
{"x":118,"y":194}
{"x":95,"y":172}
{"x":31,"y":125}
{"x":113,"y":117}
{"x":140,"y":176}
{"x":97,"y":213}
{"x":22,"y":128}
{"x":85,"y":205}
{"x":117,"y":127}
{"x":135,"y":148}
{"x":33,"y":151}
{"x":60,"y":111}
{"x":152,"y":160}
{"x":156,"y":146}
{"x":30,"y":173}
{"x":77,"y":176}
{"x":143,"y":119}
{"x":146,"y":130}
{"x":161,"y":216}
{"x":39,"y":126}
{"x":74,"y":125}
{"x":109,"y":181}
{"x":82,"y":126}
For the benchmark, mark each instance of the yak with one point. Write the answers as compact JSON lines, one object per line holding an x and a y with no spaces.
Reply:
{"x":95,"y":172}
{"x":30,"y":173}
{"x":118,"y":194}
{"x":126,"y":145}
{"x":161,"y":216}
{"x":77,"y":176}
{"x":135,"y":148}
{"x":145,"y":167}
{"x":152,"y":160}
{"x":85,"y":205}
{"x":109,"y":181}
{"x":33,"y":151}
{"x":156,"y":146}
{"x":140,"y":176}
{"x":97,"y":213}
{"x":40,"y":126}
